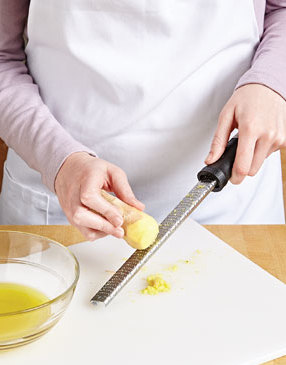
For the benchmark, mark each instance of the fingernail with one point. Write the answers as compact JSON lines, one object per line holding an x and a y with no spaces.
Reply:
{"x":118,"y":221}
{"x":120,"y":232}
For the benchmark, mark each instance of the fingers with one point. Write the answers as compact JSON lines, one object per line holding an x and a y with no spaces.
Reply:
{"x":261,"y":152}
{"x":244,"y":156}
{"x":109,"y":218}
{"x":90,"y":234}
{"x":280,"y":138}
{"x":83,"y":217}
{"x":90,"y":196}
{"x":251,"y":153}
{"x":221,"y":137}
{"x":90,"y":224}
{"x":122,"y":189}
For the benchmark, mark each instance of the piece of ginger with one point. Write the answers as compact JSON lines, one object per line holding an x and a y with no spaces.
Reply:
{"x":156,"y":285}
{"x":140,"y":228}
{"x":142,"y":233}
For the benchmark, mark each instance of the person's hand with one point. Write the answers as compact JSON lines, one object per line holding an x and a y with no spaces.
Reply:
{"x":78,"y":186}
{"x":259,"y":113}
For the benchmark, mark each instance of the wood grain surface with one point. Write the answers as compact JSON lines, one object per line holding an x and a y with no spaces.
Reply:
{"x":283,"y":166}
{"x":264,"y":245}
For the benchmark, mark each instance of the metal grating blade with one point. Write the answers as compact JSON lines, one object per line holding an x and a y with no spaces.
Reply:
{"x":140,"y":257}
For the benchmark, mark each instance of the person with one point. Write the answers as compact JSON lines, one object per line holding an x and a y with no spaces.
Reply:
{"x":130,"y":97}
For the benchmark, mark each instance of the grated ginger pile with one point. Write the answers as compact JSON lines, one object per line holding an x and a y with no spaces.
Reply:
{"x":156,"y":285}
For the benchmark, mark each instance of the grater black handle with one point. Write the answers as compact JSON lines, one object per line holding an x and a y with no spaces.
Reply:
{"x":221,"y":169}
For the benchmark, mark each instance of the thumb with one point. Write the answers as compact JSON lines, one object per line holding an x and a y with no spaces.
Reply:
{"x":121,"y":188}
{"x":221,"y":137}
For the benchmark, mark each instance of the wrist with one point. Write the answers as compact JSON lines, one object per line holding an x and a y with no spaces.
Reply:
{"x":70,"y":165}
{"x":76,"y":157}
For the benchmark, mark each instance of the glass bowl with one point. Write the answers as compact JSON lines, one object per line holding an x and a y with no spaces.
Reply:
{"x":38,"y":277}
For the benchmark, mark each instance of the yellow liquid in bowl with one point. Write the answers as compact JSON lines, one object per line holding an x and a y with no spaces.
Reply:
{"x":17,"y":297}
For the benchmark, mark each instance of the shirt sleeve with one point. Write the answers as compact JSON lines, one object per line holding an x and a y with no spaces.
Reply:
{"x":269,"y":63}
{"x":26,"y":124}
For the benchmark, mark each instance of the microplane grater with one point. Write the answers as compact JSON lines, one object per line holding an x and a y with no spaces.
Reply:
{"x":211,"y":178}
{"x":140,"y":257}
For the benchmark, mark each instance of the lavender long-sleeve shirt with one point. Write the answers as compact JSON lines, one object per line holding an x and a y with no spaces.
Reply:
{"x":27,"y":125}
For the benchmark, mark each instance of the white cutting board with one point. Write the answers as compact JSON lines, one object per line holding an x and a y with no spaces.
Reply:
{"x":222,"y":310}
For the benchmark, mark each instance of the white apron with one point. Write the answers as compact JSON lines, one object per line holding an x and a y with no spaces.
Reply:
{"x":142,"y":82}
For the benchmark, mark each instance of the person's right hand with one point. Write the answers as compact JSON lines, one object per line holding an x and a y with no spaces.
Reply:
{"x":78,"y":187}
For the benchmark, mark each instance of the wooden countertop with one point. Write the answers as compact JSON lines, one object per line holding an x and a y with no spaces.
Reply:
{"x":264,"y":244}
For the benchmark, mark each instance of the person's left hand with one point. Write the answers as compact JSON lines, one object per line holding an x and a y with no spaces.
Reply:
{"x":259,"y":113}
